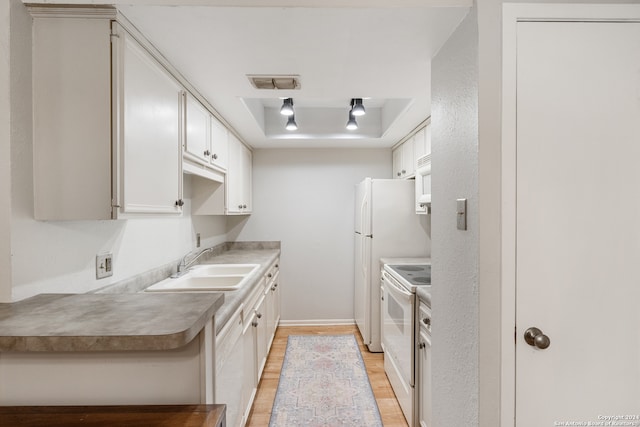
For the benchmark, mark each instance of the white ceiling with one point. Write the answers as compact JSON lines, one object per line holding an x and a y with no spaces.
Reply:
{"x":339,"y":52}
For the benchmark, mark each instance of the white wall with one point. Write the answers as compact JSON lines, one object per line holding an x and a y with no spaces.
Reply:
{"x":454,"y":148}
{"x":305,"y":199}
{"x":5,"y":151}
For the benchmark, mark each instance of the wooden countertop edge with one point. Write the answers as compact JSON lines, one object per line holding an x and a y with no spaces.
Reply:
{"x":109,"y":415}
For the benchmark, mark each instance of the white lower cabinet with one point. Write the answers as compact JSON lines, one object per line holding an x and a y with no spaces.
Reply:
{"x":242,"y":347}
{"x":261,"y":336}
{"x":230,"y":369}
{"x":423,"y":374}
{"x":250,"y":377}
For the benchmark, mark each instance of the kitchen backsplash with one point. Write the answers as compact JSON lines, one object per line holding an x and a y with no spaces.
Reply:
{"x":141,"y":281}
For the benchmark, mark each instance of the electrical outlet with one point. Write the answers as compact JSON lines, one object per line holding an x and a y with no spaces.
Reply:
{"x":104,"y":265}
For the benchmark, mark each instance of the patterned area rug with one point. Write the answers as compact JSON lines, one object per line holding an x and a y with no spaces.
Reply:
{"x":324,"y":383}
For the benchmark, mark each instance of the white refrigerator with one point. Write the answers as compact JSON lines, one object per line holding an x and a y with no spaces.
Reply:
{"x":386,"y":225}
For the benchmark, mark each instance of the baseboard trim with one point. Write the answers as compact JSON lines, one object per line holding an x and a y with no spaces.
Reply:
{"x":317,"y":322}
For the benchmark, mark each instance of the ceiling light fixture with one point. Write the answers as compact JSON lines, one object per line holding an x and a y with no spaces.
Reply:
{"x":291,"y":123}
{"x":287,"y":107}
{"x":352,"y":124}
{"x":357,"y":107}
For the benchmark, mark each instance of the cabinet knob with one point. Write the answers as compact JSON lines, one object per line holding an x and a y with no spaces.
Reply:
{"x":273,"y":288}
{"x":239,"y":206}
{"x":277,"y":266}
{"x":180,"y":202}
{"x":399,"y":174}
{"x":254,"y":323}
{"x":215,"y":156}
{"x":244,"y":206}
{"x":422,"y":345}
{"x":404,"y":171}
{"x":426,"y":321}
{"x":269,"y":275}
{"x":207,"y":153}
{"x":259,"y":315}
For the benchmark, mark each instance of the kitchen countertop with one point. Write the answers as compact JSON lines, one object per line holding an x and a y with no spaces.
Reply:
{"x":105,"y":322}
{"x":125,"y":321}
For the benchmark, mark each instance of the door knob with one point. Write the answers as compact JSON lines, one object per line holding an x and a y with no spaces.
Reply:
{"x":535,"y":338}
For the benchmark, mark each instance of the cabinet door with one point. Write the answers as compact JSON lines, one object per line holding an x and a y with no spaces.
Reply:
{"x":261,"y":338}
{"x":229,"y":370}
{"x":234,"y":178}
{"x":219,"y":144}
{"x":419,"y":144}
{"x":408,"y":158}
{"x":397,"y":162}
{"x":198,"y":131}
{"x":246,"y":164}
{"x":249,"y":367}
{"x":424,"y":379}
{"x":149,"y":124}
{"x":238,"y":177}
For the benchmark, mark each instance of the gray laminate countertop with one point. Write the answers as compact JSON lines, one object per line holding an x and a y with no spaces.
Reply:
{"x":125,"y":319}
{"x":105,"y":322}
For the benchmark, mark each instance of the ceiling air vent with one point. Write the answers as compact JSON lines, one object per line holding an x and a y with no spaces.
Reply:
{"x":275,"y":82}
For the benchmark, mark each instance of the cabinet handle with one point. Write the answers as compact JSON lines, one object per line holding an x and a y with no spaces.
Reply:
{"x":259,"y":315}
{"x":215,"y":156}
{"x":422,"y":345}
{"x":207,"y":153}
{"x":180,"y":202}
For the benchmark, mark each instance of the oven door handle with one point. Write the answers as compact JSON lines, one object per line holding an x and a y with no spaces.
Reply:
{"x":396,"y":289}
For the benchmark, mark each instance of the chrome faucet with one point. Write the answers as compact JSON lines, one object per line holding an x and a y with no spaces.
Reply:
{"x":184,"y":265}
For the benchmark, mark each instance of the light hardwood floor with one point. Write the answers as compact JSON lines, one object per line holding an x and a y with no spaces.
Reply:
{"x":261,"y":411}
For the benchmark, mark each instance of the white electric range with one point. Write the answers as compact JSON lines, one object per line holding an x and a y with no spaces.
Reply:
{"x":399,"y":330}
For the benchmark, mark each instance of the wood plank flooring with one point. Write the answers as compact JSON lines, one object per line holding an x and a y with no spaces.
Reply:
{"x":261,"y":411}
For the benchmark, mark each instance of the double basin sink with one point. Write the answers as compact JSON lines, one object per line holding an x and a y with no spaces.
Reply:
{"x":207,"y":277}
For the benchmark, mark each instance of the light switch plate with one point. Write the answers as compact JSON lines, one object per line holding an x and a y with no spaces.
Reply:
{"x":104,"y":265}
{"x":461,"y":213}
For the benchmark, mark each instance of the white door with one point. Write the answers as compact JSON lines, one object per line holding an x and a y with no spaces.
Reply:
{"x":577,"y":222}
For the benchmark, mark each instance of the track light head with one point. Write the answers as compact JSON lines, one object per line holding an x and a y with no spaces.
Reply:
{"x":291,"y":123}
{"x":357,"y":107}
{"x":352,"y":124}
{"x":287,"y":107}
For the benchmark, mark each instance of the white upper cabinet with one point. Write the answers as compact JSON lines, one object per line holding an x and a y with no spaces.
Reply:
{"x":197,"y":141}
{"x":148,"y":130}
{"x":107,"y":121}
{"x":238,"y":182}
{"x":219,"y":144}
{"x":404,"y":163}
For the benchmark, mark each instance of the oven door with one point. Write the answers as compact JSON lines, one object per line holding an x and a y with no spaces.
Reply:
{"x":397,"y":335}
